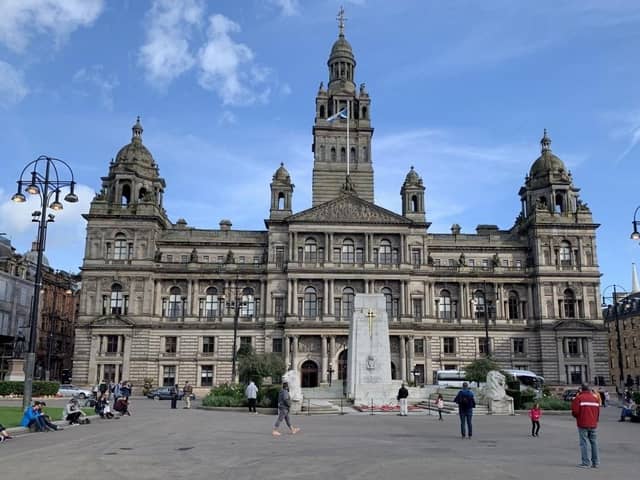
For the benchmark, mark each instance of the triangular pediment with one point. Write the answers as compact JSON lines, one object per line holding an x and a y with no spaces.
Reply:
{"x":574,"y":324}
{"x":112,"y":321}
{"x":348,"y":208}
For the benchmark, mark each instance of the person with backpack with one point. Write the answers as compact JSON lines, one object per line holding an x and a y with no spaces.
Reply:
{"x":466,"y":403}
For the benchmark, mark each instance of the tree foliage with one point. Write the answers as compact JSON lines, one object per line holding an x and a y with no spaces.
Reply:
{"x":477,"y":370}
{"x":257,"y":366}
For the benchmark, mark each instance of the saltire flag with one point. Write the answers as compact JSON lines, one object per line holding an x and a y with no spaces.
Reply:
{"x":341,"y":114}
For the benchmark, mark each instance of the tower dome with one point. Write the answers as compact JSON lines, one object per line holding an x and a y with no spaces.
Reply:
{"x":135,"y":152}
{"x":282,"y":175}
{"x":547,"y":162}
{"x":412,"y":178}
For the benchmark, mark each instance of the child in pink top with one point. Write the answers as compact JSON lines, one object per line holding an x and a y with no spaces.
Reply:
{"x":534,"y":414}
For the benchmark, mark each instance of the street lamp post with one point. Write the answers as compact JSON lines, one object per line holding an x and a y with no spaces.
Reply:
{"x":635,"y":235}
{"x":236,"y":316}
{"x":330,"y":371}
{"x":616,"y":319}
{"x":46,"y":185}
{"x":487,"y":343}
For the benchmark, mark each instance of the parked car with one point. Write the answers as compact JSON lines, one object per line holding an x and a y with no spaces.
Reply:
{"x":163,"y":393}
{"x":68,"y":390}
{"x":569,"y":394}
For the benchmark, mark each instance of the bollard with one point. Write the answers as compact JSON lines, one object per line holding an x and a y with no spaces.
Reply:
{"x":372,"y":406}
{"x":341,"y":408}
{"x":308,"y":407}
{"x":429,"y":403}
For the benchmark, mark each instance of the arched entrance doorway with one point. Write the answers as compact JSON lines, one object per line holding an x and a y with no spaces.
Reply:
{"x":309,"y":371}
{"x":342,"y":365}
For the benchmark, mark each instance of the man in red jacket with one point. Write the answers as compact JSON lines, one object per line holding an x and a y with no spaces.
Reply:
{"x":586,"y":409}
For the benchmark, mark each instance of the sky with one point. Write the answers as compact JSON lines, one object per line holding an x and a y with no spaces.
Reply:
{"x":462,"y":90}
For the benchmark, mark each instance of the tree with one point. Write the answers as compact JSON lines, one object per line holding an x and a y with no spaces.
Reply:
{"x":477,"y":370}
{"x":257,"y":366}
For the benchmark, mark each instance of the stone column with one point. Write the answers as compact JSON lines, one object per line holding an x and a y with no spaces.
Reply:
{"x":529,"y":312}
{"x":562,"y":376}
{"x":93,"y":353}
{"x":411,"y":354}
{"x":403,"y":358}
{"x":332,"y":348}
{"x":324,"y":362}
{"x":294,"y":351}
{"x":158,"y":299}
{"x":119,"y":347}
{"x":428,"y":362}
{"x":325,"y":298}
{"x":589,"y":353}
{"x":402,"y":303}
{"x":189,"y":309}
{"x":287,"y":351}
{"x":126,"y":357}
{"x":295,"y":297}
{"x":291,"y":248}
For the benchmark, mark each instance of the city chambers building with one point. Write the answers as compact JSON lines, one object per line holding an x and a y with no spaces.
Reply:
{"x":166,"y":301}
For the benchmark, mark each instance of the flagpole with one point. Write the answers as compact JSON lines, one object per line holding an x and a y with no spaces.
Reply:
{"x":348,"y":150}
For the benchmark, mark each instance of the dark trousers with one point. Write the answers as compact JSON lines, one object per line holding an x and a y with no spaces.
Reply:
{"x":37,"y":424}
{"x":465,"y":421}
{"x":535,"y":427}
{"x":174,"y":401}
{"x":252,"y":404}
{"x":73,"y":417}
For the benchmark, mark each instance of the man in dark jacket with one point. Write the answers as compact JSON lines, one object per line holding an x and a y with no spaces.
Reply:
{"x":403,"y":394}
{"x":466,"y":403}
{"x":585,"y":407}
{"x":284,"y":403}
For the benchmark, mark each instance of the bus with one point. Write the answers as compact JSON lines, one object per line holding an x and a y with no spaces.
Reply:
{"x":450,"y":378}
{"x":527,"y":379}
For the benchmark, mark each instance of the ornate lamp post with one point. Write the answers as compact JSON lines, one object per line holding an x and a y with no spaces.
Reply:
{"x":635,"y":235}
{"x":44,"y":180}
{"x":330,"y":371}
{"x":615,"y":303}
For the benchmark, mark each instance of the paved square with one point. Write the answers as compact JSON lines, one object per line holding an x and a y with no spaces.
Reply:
{"x":157,"y":442}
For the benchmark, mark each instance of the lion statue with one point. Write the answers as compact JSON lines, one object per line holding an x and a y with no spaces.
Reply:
{"x":495,"y":387}
{"x":295,"y":391}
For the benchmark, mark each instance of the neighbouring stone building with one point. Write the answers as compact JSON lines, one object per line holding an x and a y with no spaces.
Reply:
{"x":56,"y":319}
{"x":627,"y":318}
{"x":159,"y":299}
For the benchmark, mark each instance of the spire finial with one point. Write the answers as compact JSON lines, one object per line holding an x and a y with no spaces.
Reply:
{"x":635,"y":285}
{"x":545,"y":141}
{"x":341,"y":18}
{"x":137,"y":130}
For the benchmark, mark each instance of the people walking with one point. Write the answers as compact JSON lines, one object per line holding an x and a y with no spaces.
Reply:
{"x":440,"y":406}
{"x":174,"y":395}
{"x":284,"y":404}
{"x":534,"y":414}
{"x":585,"y":407}
{"x":187,"y":391}
{"x":466,"y":403}
{"x":402,"y":396}
{"x":251,"y":393}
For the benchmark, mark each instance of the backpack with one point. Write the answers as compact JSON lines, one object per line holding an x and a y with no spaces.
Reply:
{"x":465,"y":402}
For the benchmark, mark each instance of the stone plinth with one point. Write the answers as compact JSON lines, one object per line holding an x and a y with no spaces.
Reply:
{"x":369,"y":356}
{"x":501,"y":407}
{"x":16,"y":370}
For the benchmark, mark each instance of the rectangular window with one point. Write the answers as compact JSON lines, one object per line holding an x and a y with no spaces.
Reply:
{"x":130,"y":251}
{"x":245,"y":341}
{"x":575,"y":374}
{"x":452,"y":262}
{"x":112,"y":343}
{"x":169,"y":258}
{"x":205,"y":258}
{"x":337,"y":306}
{"x":279,"y":257}
{"x":169,"y":375}
{"x":518,"y":264}
{"x":279,"y":309}
{"x":505,"y":262}
{"x":517,"y":345}
{"x":471,"y":262}
{"x":572,"y":347}
{"x":256,"y":260}
{"x":110,"y":372}
{"x":120,"y":250}
{"x":276,"y":345}
{"x":417,"y":308}
{"x":449,"y":345}
{"x":359,"y":255}
{"x":336,"y":255}
{"x":415,"y":257}
{"x":185,"y":258}
{"x":108,"y":249}
{"x":436,"y":262}
{"x":170,"y":344}
{"x":485,"y":263}
{"x":220,"y":259}
{"x":482,"y":345}
{"x":208,"y":345}
{"x":418,"y":346}
{"x":206,"y":376}
{"x":241,"y":259}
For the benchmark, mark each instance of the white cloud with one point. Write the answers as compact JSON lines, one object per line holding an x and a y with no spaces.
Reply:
{"x":96,"y":77}
{"x":227,"y":67}
{"x":227,"y":118}
{"x":166,"y":53}
{"x":65,"y":236}
{"x":287,"y":8}
{"x":12,"y":85}
{"x":20,"y":20}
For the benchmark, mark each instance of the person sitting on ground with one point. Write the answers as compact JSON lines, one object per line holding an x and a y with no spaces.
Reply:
{"x":32,"y":418}
{"x":103,"y":409}
{"x":4,"y":435}
{"x":72,"y":412}
{"x":47,"y":419}
{"x":122,"y":406}
{"x":628,"y":406}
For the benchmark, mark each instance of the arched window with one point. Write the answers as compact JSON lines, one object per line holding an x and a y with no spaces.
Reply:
{"x":120,"y":250}
{"x":117,"y":300}
{"x":347,"y":302}
{"x":210,"y":308}
{"x":310,"y":251}
{"x":565,"y":253}
{"x":333,"y":154}
{"x":343,"y":154}
{"x":414,"y":203}
{"x":142,"y":193}
{"x":364,"y":112}
{"x":559,"y":204}
{"x":514,"y":303}
{"x":248,"y":305}
{"x":175,"y":307}
{"x":479,"y":303}
{"x":353,"y":156}
{"x":569,"y":302}
{"x":280,"y":201}
{"x":126,"y":195}
{"x":444,"y":305}
{"x":364,"y":154}
{"x":348,"y":251}
{"x":388,"y":299}
{"x":310,"y":303}
{"x":384,"y":254}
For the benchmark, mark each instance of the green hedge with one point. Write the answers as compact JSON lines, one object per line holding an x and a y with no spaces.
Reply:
{"x":549,"y":403}
{"x":521,"y":398}
{"x":39,"y":389}
{"x":232,"y":395}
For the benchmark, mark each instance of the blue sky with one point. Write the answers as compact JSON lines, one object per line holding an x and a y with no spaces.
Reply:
{"x":461,"y":90}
